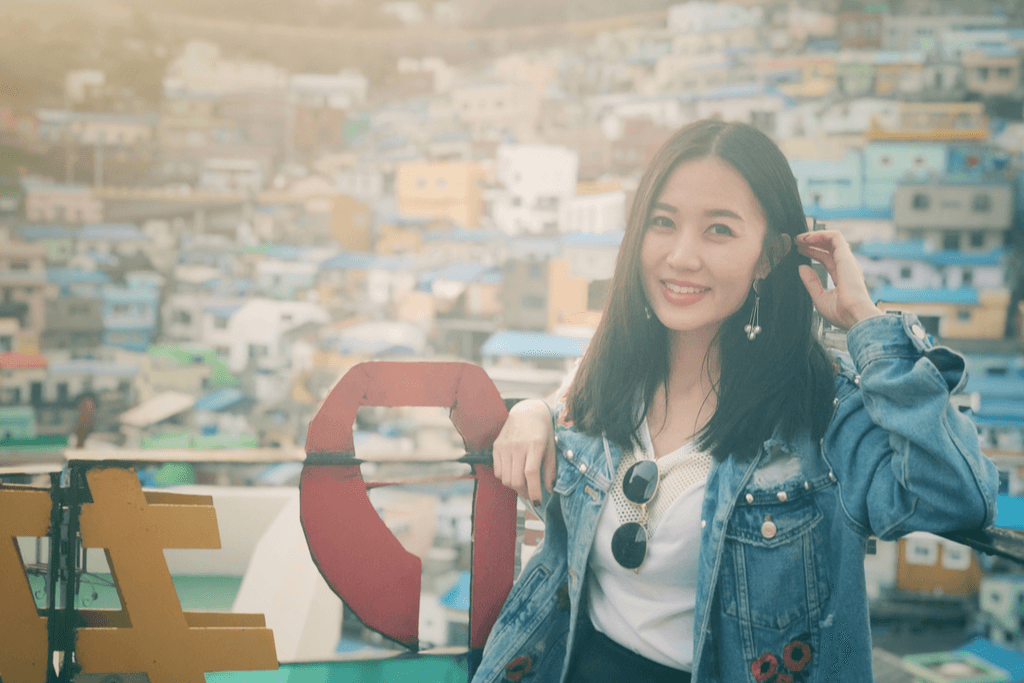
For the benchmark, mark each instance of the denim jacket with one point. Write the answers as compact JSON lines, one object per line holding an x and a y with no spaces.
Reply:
{"x":781,"y":586}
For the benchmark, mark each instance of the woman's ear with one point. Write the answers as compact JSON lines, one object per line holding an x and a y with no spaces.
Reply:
{"x":775,"y":249}
{"x":778,"y":249}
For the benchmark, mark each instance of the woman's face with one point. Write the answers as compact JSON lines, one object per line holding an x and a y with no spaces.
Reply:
{"x":702,"y":247}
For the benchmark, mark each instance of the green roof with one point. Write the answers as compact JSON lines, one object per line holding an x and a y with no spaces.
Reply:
{"x":220,"y":376}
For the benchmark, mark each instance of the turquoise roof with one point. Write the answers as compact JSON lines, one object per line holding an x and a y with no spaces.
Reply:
{"x":964,"y":296}
{"x":528,"y":344}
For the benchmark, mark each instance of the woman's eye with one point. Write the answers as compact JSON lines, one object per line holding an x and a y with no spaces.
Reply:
{"x":720,"y":229}
{"x":660,"y":222}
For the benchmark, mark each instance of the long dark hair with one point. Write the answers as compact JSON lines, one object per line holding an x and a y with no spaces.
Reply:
{"x":782,"y":378}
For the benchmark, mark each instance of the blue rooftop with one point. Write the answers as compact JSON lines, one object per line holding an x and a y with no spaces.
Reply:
{"x":916,"y":250}
{"x":75,"y":276}
{"x":528,"y":344}
{"x":1008,"y":660}
{"x":93,"y":367}
{"x":583,"y":239}
{"x":34,"y":233}
{"x":964,"y":296}
{"x":221,"y":399}
{"x":457,"y":596}
{"x":465,"y":272}
{"x":850,"y":213}
{"x":112,"y":232}
{"x":461,"y":236}
{"x":365,"y":261}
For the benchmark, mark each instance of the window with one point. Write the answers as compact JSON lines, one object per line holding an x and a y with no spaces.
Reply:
{"x":905,"y":273}
{"x":19,"y":265}
{"x":533,"y":301}
{"x":977,"y":238}
{"x":951,"y":241}
{"x":982,"y":203}
{"x":536,"y":271}
{"x":921,"y":201}
{"x":982,"y":73}
{"x":220,"y":322}
{"x":930,"y":323}
{"x":1003,"y":72}
{"x":182,"y":317}
{"x":257,"y":351}
{"x":963,"y":315}
{"x":36,"y":393}
{"x":121,"y":309}
{"x":967,"y":277}
{"x":62,"y":392}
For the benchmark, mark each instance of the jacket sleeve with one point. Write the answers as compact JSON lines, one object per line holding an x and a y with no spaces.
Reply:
{"x":905,"y":457}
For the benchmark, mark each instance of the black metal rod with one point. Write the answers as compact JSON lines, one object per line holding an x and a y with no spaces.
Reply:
{"x":53,"y":630}
{"x":481,"y":457}
{"x":69,"y":558}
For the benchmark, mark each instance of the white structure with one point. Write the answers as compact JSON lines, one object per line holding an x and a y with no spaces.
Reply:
{"x":538,"y":181}
{"x":253,"y":332}
{"x":78,"y":84}
{"x":444,"y":75}
{"x":913,"y":32}
{"x":232,"y":175}
{"x":597,"y":213}
{"x":494,"y":108}
{"x":336,"y":91}
{"x":200,"y":69}
{"x":854,"y":117}
{"x":698,"y":17}
{"x":406,"y":11}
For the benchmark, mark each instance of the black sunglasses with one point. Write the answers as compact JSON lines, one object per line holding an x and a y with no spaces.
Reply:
{"x":629,"y":543}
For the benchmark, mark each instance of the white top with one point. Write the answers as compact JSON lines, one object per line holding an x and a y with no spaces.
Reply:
{"x":652,"y":612}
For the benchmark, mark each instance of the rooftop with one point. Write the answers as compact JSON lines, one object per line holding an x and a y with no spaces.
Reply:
{"x":529,"y":344}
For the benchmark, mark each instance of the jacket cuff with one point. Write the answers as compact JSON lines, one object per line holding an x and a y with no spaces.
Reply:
{"x":891,"y":335}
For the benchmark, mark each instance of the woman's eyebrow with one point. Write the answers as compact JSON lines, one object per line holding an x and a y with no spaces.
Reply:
{"x":724,"y":213}
{"x":665,"y":207}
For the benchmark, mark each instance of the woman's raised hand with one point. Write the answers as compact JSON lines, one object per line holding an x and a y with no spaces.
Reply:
{"x":848,"y":302}
{"x":525,"y":449}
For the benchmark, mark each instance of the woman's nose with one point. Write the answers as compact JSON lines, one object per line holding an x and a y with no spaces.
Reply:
{"x":684,"y":253}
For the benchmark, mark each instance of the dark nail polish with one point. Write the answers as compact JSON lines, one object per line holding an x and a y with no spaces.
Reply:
{"x":536,"y":503}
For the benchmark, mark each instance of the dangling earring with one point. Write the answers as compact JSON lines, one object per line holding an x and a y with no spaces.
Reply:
{"x":647,"y":310}
{"x":752,"y":328}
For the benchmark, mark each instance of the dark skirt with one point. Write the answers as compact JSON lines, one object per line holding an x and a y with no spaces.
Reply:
{"x":599,"y":659}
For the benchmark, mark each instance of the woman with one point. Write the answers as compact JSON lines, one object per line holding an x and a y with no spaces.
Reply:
{"x":714,"y":473}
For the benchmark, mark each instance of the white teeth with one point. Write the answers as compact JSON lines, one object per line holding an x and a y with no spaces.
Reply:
{"x":685,"y":290}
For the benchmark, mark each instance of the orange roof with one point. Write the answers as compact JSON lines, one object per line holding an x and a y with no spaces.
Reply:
{"x":22,"y":360}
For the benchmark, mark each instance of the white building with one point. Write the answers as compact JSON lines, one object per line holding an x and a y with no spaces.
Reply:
{"x":342,"y":90}
{"x":699,"y":17}
{"x":597,"y":213}
{"x":537,"y":180}
{"x":201,"y":69}
{"x":253,"y":333}
{"x":232,"y":175}
{"x":854,"y":117}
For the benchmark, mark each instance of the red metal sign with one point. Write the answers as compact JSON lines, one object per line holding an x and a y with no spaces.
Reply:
{"x":357,"y":555}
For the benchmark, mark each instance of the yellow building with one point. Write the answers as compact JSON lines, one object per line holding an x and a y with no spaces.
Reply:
{"x":891,"y":76}
{"x":928,"y":121}
{"x":816,"y":74}
{"x":394,"y":239}
{"x":991,"y":74}
{"x":572,"y":300}
{"x":450,"y":190}
{"x":985,"y":319}
{"x":350,"y":223}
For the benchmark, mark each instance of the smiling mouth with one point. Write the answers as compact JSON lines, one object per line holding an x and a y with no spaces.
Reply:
{"x":685,"y":290}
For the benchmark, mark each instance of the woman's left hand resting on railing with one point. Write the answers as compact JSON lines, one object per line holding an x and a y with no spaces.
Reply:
{"x":525,"y":450}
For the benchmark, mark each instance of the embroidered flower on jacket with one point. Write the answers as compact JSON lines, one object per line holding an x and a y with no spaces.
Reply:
{"x":517,"y":668}
{"x":764,"y":667}
{"x":796,"y":655}
{"x":784,"y":678}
